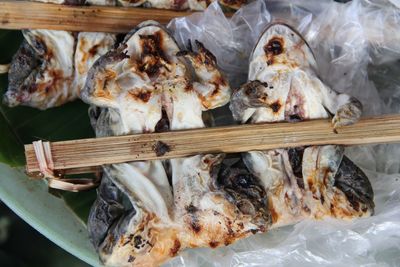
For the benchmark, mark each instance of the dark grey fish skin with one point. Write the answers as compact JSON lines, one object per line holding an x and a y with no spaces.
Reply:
{"x":246,"y":192}
{"x":353,"y":182}
{"x":103,"y":120}
{"x":105,"y":212}
{"x":22,"y":74}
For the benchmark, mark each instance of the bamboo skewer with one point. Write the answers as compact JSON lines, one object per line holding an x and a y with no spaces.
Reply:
{"x":33,"y":15}
{"x":88,"y":153}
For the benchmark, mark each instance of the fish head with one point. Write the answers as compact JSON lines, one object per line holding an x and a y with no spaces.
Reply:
{"x":280,"y":47}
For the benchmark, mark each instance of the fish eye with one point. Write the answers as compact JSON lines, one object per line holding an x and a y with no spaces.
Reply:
{"x":274,"y":46}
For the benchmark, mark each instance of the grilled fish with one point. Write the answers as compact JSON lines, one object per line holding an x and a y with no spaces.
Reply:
{"x":146,"y":212}
{"x":50,"y":67}
{"x":306,"y":182}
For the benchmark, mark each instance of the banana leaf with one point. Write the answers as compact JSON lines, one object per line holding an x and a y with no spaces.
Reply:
{"x":62,"y":216}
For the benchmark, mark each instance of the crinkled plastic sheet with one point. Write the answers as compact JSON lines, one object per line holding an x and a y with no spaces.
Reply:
{"x":357,"y":46}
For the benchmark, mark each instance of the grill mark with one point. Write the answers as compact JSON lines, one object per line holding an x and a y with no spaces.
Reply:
{"x":276,"y":106}
{"x":188,"y":87}
{"x":175,"y":249}
{"x":191,"y":209}
{"x":195,"y":224}
{"x":213,"y":244}
{"x":93,"y":51}
{"x":131,"y":258}
{"x":141,"y":95}
{"x":138,"y":242}
{"x":274,"y":47}
{"x":274,"y":214}
{"x":205,"y":55}
{"x":153,"y":56}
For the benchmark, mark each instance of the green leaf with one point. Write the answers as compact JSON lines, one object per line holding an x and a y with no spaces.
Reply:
{"x":46,"y":213}
{"x":23,"y":125}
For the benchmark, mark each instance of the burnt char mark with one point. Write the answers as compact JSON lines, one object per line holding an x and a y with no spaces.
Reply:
{"x":191,"y":208}
{"x":276,"y":106}
{"x":152,"y":44}
{"x":275,"y":46}
{"x":139,"y":242}
{"x":153,"y":56}
{"x":188,"y":87}
{"x":93,"y":51}
{"x":163,"y":123}
{"x":161,"y":148}
{"x":195,"y":224}
{"x":218,"y":82}
{"x":254,"y":231}
{"x":131,"y":259}
{"x":175,"y":249}
{"x":274,"y":213}
{"x":205,"y":55}
{"x":296,"y":161}
{"x":141,"y":94}
{"x":353,"y":182}
{"x":213,"y":244}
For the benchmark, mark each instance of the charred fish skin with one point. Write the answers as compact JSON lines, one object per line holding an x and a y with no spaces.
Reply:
{"x":44,"y":79}
{"x":308,"y":182}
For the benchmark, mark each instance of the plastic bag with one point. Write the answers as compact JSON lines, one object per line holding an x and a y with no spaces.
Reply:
{"x":357,"y":46}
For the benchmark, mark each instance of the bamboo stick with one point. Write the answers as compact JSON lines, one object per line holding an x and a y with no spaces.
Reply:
{"x":88,"y":153}
{"x":34,"y":15}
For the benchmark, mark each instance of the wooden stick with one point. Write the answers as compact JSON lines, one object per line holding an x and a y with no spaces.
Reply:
{"x":33,"y":15}
{"x":93,"y":152}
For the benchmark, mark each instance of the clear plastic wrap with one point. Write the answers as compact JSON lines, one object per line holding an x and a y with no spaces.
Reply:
{"x":357,"y":47}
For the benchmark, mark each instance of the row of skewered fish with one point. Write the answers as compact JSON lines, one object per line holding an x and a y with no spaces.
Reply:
{"x":62,"y":59}
{"x":147,"y":212}
{"x":165,"y":4}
